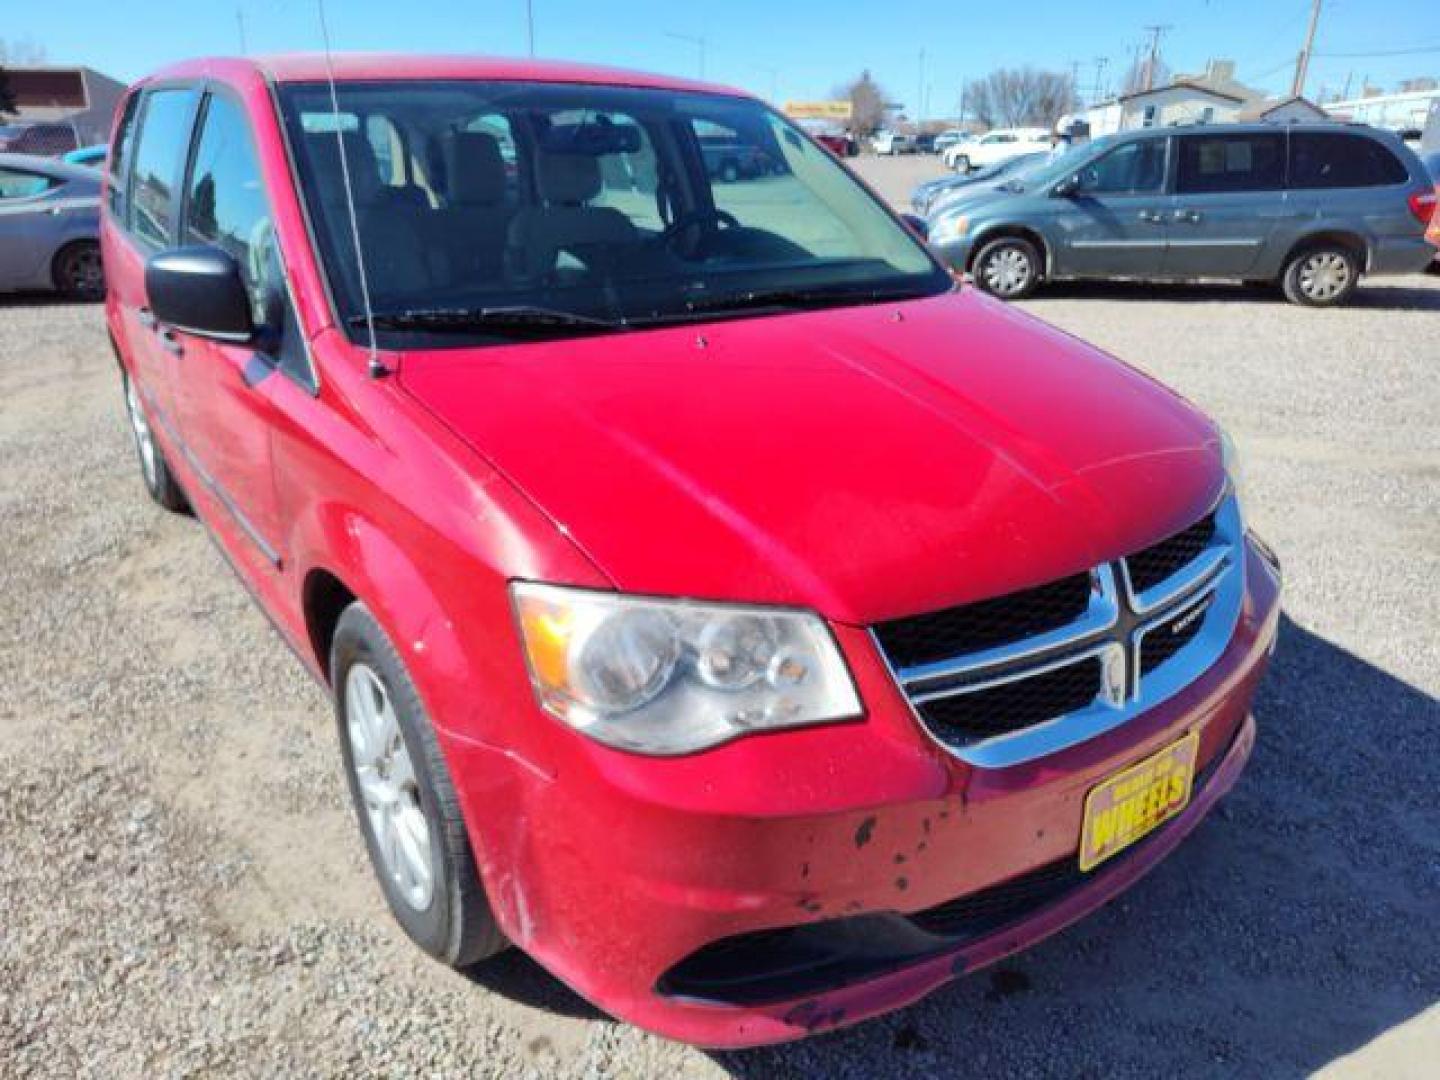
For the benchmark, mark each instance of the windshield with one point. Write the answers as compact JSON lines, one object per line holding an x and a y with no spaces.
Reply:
{"x":491,"y":209}
{"x":1063,"y":164}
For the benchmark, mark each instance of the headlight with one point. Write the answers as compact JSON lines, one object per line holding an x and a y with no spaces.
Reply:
{"x":674,"y":676}
{"x":950,"y":227}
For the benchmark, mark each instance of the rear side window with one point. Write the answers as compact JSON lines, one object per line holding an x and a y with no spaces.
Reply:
{"x":1238,"y":162}
{"x":159,"y":151}
{"x":18,"y":184}
{"x":1340,"y":159}
{"x":120,"y":156}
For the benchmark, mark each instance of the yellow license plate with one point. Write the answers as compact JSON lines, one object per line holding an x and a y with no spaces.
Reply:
{"x":1135,"y":801}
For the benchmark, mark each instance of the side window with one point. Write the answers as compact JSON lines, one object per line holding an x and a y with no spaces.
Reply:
{"x":1136,"y":168}
{"x":17,"y":184}
{"x":1150,"y":116}
{"x":1240,"y":162}
{"x":225,"y":204}
{"x":119,"y":162}
{"x":1323,"y":159}
{"x":164,"y":137}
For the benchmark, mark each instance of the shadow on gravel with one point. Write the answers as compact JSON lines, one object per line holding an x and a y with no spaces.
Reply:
{"x":1378,"y":295}
{"x":40,"y":299}
{"x":1293,"y":928}
{"x":514,"y":975}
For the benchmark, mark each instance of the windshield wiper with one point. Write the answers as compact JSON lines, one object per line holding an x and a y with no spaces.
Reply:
{"x":516,"y":317}
{"x":798,"y":298}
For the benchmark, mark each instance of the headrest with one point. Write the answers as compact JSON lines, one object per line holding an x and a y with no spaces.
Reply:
{"x":359,"y":156}
{"x":568,"y":179}
{"x":474,"y":169}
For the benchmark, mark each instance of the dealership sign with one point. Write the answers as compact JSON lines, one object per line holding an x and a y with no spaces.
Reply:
{"x":819,"y":110}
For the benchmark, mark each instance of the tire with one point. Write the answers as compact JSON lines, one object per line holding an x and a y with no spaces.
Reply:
{"x":77,"y":272}
{"x":154,"y":469}
{"x":405,"y":802}
{"x":962,"y":164}
{"x":1009,"y":268}
{"x":1322,"y":275}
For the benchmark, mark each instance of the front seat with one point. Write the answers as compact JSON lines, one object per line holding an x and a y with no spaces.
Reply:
{"x":595,"y":235}
{"x":475,"y":224}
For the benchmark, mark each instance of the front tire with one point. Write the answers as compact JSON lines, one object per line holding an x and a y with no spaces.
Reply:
{"x":406,"y":803}
{"x":1008,"y":268}
{"x":962,"y":165}
{"x":77,"y":271}
{"x":154,"y":469}
{"x":1321,"y":276}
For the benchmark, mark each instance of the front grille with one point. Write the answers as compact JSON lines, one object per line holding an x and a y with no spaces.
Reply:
{"x":1079,"y":648}
{"x":1168,"y":638}
{"x":973,"y":628}
{"x":1158,"y":562}
{"x":1011,"y":706}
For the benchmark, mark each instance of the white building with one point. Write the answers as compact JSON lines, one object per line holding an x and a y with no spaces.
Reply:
{"x":1286,"y":110}
{"x":1178,"y":103}
{"x":1398,"y":112}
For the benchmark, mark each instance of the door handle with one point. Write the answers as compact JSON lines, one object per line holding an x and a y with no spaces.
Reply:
{"x":1192,"y":216}
{"x":146,"y":318}
{"x":171,"y":344}
{"x":1152,"y":216}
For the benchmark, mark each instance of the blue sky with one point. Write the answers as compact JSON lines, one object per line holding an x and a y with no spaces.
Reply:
{"x":800,"y":48}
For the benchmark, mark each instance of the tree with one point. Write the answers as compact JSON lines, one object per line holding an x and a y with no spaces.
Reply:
{"x":867,"y":104}
{"x":1020,"y":97}
{"x":1137,"y":76}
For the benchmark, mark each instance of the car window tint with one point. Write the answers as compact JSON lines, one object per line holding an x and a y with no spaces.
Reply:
{"x":17,"y":184}
{"x":1132,"y":169}
{"x":1323,"y":159}
{"x":1234,"y":162}
{"x":120,"y":156}
{"x":163,"y":139}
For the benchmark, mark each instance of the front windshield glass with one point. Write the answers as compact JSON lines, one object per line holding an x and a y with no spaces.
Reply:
{"x":496,"y":208}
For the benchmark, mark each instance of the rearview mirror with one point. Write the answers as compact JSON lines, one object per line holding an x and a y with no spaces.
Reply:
{"x":917,"y":225}
{"x":200,"y":290}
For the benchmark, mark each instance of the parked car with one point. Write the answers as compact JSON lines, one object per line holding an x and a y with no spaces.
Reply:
{"x":892,"y":142}
{"x":94,"y":156}
{"x":931,"y":193}
{"x":924,"y":143}
{"x":42,"y":140}
{"x":1312,"y":207}
{"x":949,"y":138}
{"x":839,"y":144}
{"x":740,"y":755}
{"x":49,"y":227}
{"x":735,"y":159}
{"x":996,"y":146}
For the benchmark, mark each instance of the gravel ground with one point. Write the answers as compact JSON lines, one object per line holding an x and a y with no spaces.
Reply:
{"x":182,"y":889}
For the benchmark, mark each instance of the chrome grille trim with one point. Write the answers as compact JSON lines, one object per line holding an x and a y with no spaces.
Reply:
{"x":1116,"y":622}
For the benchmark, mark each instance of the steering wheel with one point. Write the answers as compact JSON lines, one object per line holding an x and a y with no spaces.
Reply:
{"x":694,"y":219}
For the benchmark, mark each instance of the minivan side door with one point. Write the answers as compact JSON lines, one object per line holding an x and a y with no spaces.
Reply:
{"x":227,"y":399}
{"x":143,"y":214}
{"x":1229,"y":200}
{"x":1112,"y":223}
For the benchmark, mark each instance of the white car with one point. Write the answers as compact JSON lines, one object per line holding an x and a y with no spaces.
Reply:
{"x":893,"y":142}
{"x":996,"y":146}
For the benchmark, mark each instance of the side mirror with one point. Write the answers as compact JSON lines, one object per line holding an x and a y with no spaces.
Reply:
{"x":1066,"y":188}
{"x":200,"y":290}
{"x":917,"y":225}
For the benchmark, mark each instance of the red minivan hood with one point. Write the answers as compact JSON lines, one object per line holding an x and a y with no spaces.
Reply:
{"x":868,"y":462}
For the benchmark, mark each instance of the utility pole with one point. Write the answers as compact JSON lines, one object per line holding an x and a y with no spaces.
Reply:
{"x":1150,"y":65}
{"x":1345,"y":94}
{"x":1302,"y":62}
{"x":698,"y":41}
{"x":920,"y":94}
{"x":1101,"y":62}
{"x":1074,"y":84}
{"x":530,"y":25}
{"x":240,"y":24}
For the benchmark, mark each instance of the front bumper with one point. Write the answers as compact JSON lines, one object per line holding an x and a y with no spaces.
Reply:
{"x":628,"y":868}
{"x":955,"y":253}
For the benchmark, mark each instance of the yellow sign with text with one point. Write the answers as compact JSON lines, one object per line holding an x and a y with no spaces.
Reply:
{"x":1136,"y":801}
{"x":819,"y":110}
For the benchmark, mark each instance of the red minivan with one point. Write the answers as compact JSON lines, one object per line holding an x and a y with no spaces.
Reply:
{"x":719,"y":602}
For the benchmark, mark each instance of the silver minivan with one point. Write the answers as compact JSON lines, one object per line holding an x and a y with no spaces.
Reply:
{"x":1311,"y":207}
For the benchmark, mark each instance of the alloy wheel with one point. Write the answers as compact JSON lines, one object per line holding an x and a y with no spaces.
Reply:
{"x":82,"y":273}
{"x":385,"y":776}
{"x":144,"y":440}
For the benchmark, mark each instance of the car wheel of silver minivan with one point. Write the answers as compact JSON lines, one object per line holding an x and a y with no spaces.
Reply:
{"x":1008,"y":268}
{"x":1321,"y":276}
